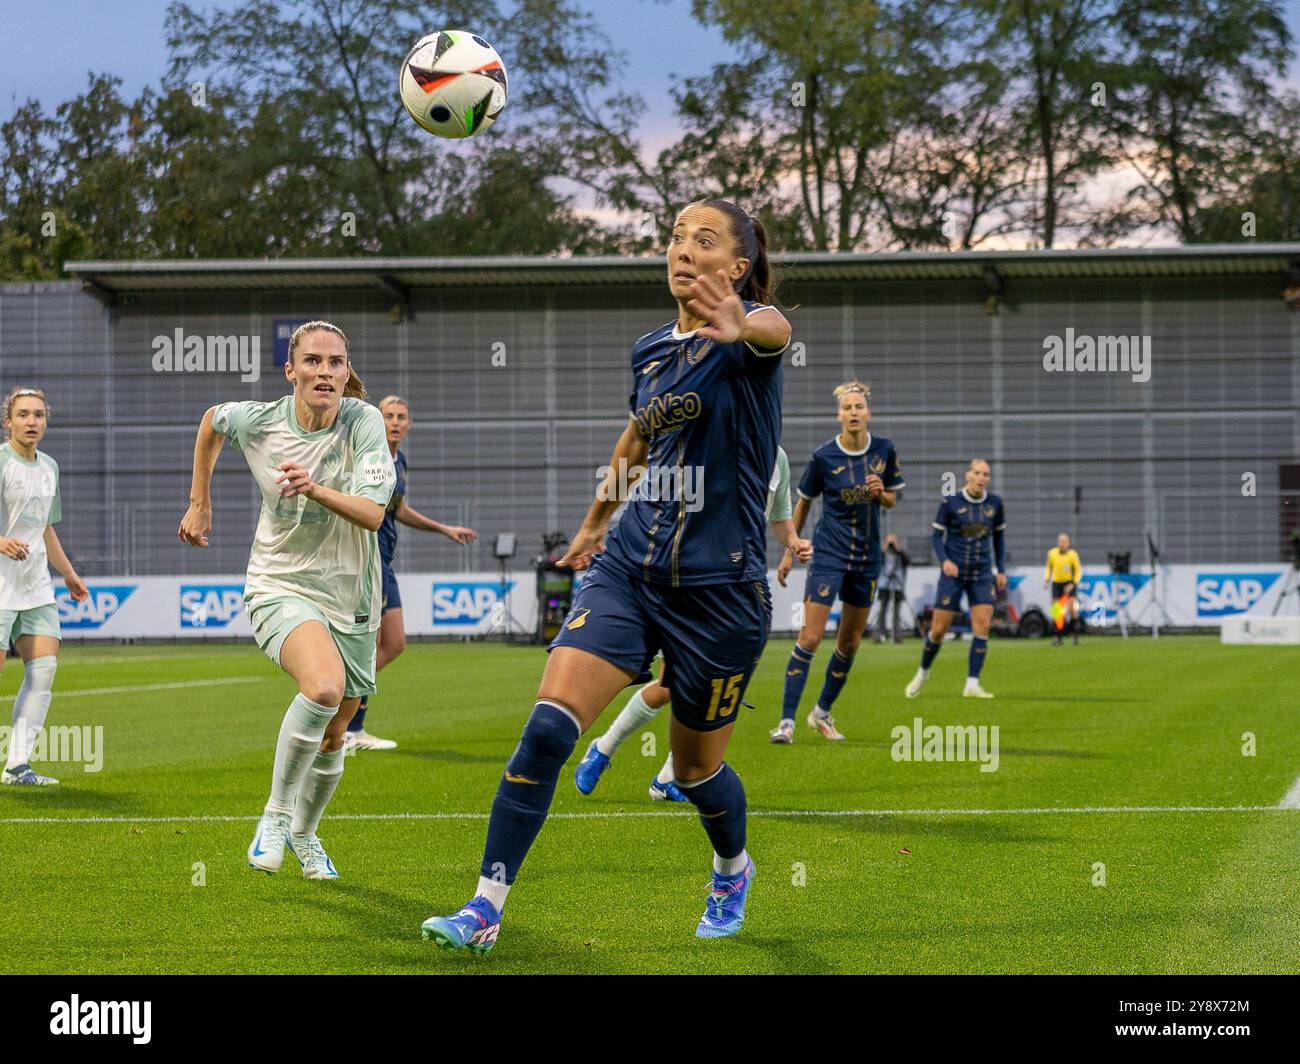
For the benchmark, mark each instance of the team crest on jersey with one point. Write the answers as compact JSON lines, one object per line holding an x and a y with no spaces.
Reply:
{"x":876,"y":465}
{"x":697,"y":350}
{"x":823,"y":590}
{"x":988,"y":510}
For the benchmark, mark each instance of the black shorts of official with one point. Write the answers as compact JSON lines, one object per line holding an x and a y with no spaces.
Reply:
{"x":711,"y":636}
{"x":1059,"y":586}
{"x":392,"y":593}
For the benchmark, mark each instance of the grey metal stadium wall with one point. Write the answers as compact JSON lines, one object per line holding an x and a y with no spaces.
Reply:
{"x":952,"y":344}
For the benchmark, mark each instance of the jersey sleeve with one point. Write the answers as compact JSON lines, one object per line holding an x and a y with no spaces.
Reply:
{"x":373,"y":474}
{"x":781,"y":510}
{"x":1000,"y":521}
{"x":810,"y":484}
{"x":893,"y":477}
{"x":239,"y":422}
{"x":941,"y":518}
{"x":56,"y":504}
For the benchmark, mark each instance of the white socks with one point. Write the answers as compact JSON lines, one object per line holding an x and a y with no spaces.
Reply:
{"x":494,"y":890}
{"x":666,"y":773}
{"x":295,"y":751}
{"x":634,"y":715}
{"x":317,"y":790}
{"x":30,"y":707}
{"x":730,"y":866}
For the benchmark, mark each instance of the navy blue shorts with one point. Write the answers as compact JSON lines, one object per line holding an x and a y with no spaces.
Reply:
{"x":711,"y":637}
{"x":852,"y":588}
{"x":392,"y":593}
{"x":978,"y":589}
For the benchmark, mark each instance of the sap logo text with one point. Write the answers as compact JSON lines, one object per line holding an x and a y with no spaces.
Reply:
{"x":1110,"y":592}
{"x":465,"y":603}
{"x":103,"y":1017}
{"x":210,"y":605}
{"x":1224,"y":594}
{"x":98,"y":607}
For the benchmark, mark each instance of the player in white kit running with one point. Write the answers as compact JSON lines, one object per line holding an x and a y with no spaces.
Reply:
{"x":321,"y":461}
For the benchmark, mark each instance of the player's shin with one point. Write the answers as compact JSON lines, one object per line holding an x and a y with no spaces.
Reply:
{"x":837,"y":675}
{"x":979,"y":646}
{"x":928,"y":654}
{"x":635,"y":714}
{"x":720,"y":800}
{"x":524,"y":796}
{"x":31,"y":707}
{"x":796,"y":677}
{"x":301,"y":733}
{"x":317,"y":789}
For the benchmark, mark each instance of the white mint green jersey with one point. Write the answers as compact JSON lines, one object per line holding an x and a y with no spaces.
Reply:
{"x":301,"y":548}
{"x":29,"y":503}
{"x":778,"y":489}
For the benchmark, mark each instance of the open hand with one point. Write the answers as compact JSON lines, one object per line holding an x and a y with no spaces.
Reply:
{"x":715,"y":301}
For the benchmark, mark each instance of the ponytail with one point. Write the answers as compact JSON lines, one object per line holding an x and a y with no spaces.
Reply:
{"x":757,"y":284}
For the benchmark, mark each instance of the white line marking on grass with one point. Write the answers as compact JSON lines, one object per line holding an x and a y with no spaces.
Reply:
{"x":149,"y":687}
{"x":1291,"y":800}
{"x":636,"y":815}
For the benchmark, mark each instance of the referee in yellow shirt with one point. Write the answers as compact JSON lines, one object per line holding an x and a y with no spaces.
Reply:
{"x":1064,"y":570}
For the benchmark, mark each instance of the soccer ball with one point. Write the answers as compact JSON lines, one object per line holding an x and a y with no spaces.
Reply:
{"x":453,"y":83}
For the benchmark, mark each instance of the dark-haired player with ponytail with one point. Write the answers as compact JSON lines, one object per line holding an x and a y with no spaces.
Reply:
{"x":683,"y":572}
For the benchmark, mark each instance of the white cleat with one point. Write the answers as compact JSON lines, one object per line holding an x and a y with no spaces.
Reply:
{"x":783,"y":733}
{"x":363,"y":740}
{"x":974,"y":690}
{"x":824,"y":726}
{"x":316,"y":863}
{"x":918,"y":681}
{"x":266,"y":851}
{"x":25,"y":776}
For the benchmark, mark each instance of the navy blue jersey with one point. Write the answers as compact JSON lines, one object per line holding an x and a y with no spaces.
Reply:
{"x":388,"y":530}
{"x":710,"y":414}
{"x":968,"y":526}
{"x":848,"y":533}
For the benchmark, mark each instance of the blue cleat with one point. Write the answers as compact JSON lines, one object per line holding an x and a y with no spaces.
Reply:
{"x":666,"y":792}
{"x":724,"y":910}
{"x":587,"y":774}
{"x":475,"y":927}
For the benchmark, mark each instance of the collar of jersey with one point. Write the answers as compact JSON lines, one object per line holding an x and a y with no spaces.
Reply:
{"x":854,"y":454}
{"x":681,"y":335}
{"x":298,"y":430}
{"x":975,"y":502}
{"x":25,"y":461}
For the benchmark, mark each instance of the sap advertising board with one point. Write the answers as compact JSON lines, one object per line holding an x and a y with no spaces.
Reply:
{"x":471,"y":603}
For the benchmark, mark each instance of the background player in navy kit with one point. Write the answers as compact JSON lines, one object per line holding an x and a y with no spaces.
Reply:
{"x":968,"y":538}
{"x":857,"y":476}
{"x":684,"y":570}
{"x":392,"y":626}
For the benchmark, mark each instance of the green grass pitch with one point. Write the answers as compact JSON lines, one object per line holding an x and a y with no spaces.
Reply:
{"x":101,"y":873}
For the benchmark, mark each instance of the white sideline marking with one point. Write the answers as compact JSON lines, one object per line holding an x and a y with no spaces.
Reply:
{"x":1291,"y":800}
{"x":630,"y":815}
{"x":148,"y":687}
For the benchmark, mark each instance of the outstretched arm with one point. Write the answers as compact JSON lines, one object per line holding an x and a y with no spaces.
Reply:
{"x":197,"y":522}
{"x":412,"y":518}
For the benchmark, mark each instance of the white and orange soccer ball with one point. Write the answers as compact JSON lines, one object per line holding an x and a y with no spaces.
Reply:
{"x":453,"y":83}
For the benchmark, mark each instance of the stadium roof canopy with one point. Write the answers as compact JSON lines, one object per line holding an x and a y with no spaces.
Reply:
{"x":398,"y":276}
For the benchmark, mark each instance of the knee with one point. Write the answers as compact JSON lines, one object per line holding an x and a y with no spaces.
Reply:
{"x":810,"y":639}
{"x":324,"y":690}
{"x":847,"y":643}
{"x":549,"y":735}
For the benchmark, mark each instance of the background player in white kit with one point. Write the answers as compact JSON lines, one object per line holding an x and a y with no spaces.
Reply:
{"x":650,"y":699}
{"x":29,"y":508}
{"x":320,"y":458}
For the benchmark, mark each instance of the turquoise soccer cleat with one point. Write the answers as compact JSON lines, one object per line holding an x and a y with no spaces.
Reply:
{"x":474,"y":928}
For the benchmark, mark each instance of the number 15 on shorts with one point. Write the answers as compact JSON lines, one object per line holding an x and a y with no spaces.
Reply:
{"x":725,"y":700}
